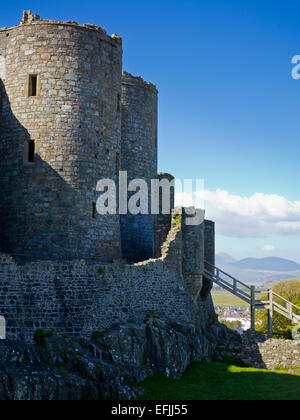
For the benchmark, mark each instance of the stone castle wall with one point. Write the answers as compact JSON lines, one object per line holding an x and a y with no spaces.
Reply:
{"x":77,"y":299}
{"x":280,"y":354}
{"x":262,"y":353}
{"x":75,"y":120}
{"x":193,"y":255}
{"x":85,"y":123}
{"x":163,"y":222}
{"x":209,"y":255}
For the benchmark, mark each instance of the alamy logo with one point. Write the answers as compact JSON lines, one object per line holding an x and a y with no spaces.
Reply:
{"x":296,"y":68}
{"x":140,"y":197}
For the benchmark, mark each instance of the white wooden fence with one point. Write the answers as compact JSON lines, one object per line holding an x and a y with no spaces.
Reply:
{"x":275,"y":303}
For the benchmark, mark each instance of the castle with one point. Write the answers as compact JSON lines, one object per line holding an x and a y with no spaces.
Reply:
{"x":70,"y":117}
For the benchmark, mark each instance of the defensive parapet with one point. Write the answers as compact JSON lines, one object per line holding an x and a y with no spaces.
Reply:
{"x":164,"y":219}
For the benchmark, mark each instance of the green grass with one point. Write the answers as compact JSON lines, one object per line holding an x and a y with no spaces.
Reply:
{"x":223,"y":298}
{"x":225,"y":380}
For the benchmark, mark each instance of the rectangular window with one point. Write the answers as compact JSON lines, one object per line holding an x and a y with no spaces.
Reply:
{"x":94,"y":210}
{"x":31,"y":151}
{"x":119,"y":103}
{"x":33,"y":85}
{"x":117,"y":163}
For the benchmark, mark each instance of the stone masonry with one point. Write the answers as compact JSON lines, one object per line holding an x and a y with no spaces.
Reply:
{"x":77,"y":299}
{"x":163,"y":221}
{"x":74,"y":121}
{"x":69,"y":117}
{"x":261,"y":353}
{"x":139,"y":159}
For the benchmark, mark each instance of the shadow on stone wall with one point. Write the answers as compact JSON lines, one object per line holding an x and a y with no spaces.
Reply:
{"x":137,"y":237}
{"x":39,"y":219}
{"x":251,"y":354}
{"x":206,"y":288}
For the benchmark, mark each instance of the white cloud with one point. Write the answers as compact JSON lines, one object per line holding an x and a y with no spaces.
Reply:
{"x":260,"y":215}
{"x":269,"y":248}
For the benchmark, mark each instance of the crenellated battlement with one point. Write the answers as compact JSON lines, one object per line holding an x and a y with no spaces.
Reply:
{"x":28,"y":17}
{"x":34,"y":19}
{"x":129,"y":79}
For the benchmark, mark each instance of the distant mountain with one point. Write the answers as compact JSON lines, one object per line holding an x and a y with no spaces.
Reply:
{"x":257,"y":271}
{"x":223,"y":258}
{"x":267,"y":264}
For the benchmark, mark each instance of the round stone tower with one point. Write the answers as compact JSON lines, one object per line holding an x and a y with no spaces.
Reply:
{"x":139,"y":159}
{"x":60,"y":134}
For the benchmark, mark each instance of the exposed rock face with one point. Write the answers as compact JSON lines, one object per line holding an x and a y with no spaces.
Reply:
{"x":63,"y":371}
{"x":160,"y":347}
{"x":108,"y":367}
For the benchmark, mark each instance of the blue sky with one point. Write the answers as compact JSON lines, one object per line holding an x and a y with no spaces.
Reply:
{"x":229,"y":108}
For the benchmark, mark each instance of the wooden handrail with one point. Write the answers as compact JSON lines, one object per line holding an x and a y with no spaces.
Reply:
{"x":215,"y":276}
{"x":287,"y":301}
{"x":228,"y":275}
{"x":287,"y":311}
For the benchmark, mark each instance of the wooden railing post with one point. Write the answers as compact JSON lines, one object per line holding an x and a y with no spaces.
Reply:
{"x":253,"y":307}
{"x":234,"y":286}
{"x":290,"y":308}
{"x":270,"y":315}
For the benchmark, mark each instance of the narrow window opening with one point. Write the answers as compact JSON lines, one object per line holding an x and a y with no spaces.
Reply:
{"x":119,"y":103}
{"x":31,"y":151}
{"x":33,"y":85}
{"x":117,"y":163}
{"x":94,"y":210}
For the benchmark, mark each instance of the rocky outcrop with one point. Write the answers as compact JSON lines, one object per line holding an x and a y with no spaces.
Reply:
{"x":63,"y":370}
{"x":106,"y":367}
{"x":159,"y":347}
